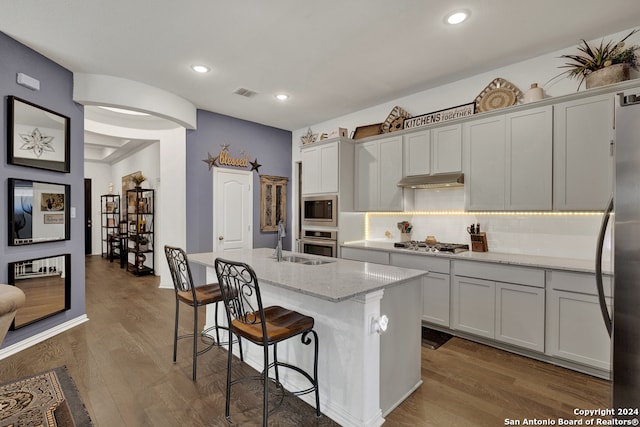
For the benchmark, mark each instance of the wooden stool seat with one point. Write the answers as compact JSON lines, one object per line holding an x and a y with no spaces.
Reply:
{"x":281,"y":324}
{"x":204,"y":295}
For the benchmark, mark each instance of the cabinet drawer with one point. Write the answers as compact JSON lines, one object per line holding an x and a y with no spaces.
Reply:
{"x":420,"y":262}
{"x":365,"y":255}
{"x":500,"y":273}
{"x":584,"y":283}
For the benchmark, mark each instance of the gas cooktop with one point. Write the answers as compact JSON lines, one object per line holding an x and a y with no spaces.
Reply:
{"x":436,"y":247}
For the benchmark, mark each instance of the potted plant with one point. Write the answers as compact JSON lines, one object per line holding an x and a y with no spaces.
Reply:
{"x":142,"y":242}
{"x":604,"y":64}
{"x":138,"y":179}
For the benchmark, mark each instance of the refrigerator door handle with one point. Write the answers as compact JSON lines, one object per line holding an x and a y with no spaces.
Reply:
{"x":599,"y":278}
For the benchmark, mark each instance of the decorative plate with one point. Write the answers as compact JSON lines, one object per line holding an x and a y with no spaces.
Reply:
{"x":498,"y":94}
{"x":395,"y":120}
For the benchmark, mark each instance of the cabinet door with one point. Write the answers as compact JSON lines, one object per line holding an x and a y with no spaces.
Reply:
{"x":435,"y":298}
{"x":390,"y":173}
{"x":473,"y":308}
{"x":520,"y":315}
{"x":366,"y":177}
{"x":417,"y":153}
{"x":529,"y":160}
{"x":446,"y":143}
{"x":576,"y":330}
{"x":582,"y":156}
{"x":329,"y":168}
{"x":310,"y":170}
{"x":484,"y":145}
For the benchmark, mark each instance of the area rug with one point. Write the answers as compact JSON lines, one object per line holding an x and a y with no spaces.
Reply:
{"x":47,"y":399}
{"x":433,"y":339}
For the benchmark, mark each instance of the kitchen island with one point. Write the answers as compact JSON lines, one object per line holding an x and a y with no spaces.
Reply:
{"x":363,"y":373}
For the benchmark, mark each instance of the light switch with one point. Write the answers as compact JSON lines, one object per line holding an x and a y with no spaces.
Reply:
{"x":73,"y":212}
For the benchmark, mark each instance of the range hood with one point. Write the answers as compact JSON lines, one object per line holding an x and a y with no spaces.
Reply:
{"x":445,"y":180}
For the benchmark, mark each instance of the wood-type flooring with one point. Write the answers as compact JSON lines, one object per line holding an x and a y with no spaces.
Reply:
{"x":121,"y":362}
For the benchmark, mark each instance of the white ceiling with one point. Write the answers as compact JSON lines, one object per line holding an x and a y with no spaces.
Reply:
{"x":332,"y":57}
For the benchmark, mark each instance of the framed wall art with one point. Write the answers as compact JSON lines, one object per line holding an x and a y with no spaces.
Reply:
{"x":46,"y":282}
{"x":38,"y":212}
{"x":273,"y":202}
{"x":37,"y":137}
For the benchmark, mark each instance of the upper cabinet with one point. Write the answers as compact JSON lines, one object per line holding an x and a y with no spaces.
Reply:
{"x":508,"y":161}
{"x":378,"y":168}
{"x":433,"y":151}
{"x":320,"y":166}
{"x":583,"y":153}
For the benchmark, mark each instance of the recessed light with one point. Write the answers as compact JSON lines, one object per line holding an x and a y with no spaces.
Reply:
{"x":457,"y":17}
{"x":123,"y":111}
{"x":200,"y":68}
{"x":282,"y":96}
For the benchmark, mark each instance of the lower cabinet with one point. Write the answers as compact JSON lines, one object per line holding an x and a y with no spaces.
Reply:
{"x":575,"y":329}
{"x":504,"y":303}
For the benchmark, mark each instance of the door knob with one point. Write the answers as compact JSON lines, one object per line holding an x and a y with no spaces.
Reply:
{"x":220,"y":238}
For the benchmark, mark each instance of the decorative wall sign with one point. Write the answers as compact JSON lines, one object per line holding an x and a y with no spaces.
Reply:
{"x":51,"y":202}
{"x":224,"y":158}
{"x":55,"y":219}
{"x":37,"y":137}
{"x":440,"y":116}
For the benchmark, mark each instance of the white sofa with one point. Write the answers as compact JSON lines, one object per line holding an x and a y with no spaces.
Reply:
{"x":11,"y":298}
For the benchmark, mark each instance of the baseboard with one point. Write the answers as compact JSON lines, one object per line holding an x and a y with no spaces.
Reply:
{"x":38,"y":338}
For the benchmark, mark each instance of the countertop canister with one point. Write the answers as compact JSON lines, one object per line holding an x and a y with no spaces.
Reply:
{"x":535,"y":93}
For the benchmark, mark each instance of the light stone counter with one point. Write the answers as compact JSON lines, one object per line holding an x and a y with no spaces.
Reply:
{"x":555,"y":263}
{"x":363,"y":374}
{"x":335,"y":281}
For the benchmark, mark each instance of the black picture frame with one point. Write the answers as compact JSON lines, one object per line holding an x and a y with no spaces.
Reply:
{"x":46,"y":283}
{"x":35,"y":208}
{"x":37,"y":137}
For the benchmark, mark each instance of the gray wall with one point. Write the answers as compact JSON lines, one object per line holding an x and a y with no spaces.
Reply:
{"x":272,"y":148}
{"x":56,"y":89}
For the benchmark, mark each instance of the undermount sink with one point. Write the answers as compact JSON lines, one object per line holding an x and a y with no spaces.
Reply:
{"x":303,"y":260}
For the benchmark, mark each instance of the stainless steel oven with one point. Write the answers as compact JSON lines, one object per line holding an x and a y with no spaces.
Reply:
{"x":320,"y":242}
{"x":320,"y":210}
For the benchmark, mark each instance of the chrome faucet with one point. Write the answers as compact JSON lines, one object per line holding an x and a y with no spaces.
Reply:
{"x":281,"y":235}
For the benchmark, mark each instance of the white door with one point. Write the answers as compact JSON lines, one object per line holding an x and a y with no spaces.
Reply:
{"x":232,"y":209}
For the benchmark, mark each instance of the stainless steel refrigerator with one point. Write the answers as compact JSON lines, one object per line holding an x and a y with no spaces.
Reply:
{"x":624,"y":321}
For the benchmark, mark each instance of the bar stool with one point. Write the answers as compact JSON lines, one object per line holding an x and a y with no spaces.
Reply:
{"x":187,"y":293}
{"x":263,"y":326}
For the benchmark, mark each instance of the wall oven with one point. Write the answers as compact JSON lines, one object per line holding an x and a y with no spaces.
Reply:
{"x":320,"y":210}
{"x":319,"y":242}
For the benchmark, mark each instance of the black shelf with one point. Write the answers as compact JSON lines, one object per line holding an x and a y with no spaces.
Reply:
{"x":140,"y":235}
{"x":109,"y":221}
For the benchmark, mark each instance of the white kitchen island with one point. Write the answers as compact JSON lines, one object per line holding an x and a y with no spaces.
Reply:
{"x":363,"y":375}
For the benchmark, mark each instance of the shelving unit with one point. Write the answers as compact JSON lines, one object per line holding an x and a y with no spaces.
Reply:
{"x":139,"y":217}
{"x":109,"y":219}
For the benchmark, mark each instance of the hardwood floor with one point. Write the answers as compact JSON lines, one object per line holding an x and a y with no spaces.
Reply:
{"x":121,"y":362}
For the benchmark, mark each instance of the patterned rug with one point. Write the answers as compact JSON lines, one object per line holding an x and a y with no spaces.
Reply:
{"x":47,"y":399}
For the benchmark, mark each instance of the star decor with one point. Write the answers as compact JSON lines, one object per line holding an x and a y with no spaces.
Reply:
{"x":225,"y":147}
{"x":255,"y":165}
{"x":211,"y":161}
{"x":309,"y":138}
{"x":37,"y":142}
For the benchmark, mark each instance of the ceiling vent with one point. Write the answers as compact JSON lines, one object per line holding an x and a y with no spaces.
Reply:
{"x":247,"y":93}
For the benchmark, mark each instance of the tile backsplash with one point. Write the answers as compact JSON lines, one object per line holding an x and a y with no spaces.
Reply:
{"x":440,"y":213}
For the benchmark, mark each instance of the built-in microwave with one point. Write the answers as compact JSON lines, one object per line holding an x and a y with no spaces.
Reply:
{"x":320,"y":210}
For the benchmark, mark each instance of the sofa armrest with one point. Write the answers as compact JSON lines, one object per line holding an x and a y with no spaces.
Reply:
{"x":11,"y":298}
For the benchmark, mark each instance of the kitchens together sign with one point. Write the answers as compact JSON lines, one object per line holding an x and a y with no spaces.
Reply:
{"x":440,"y":116}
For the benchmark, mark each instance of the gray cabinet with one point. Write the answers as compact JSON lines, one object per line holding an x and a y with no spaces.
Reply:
{"x":575,"y":328}
{"x":582,"y":154}
{"x":505,"y":303}
{"x":378,"y":168}
{"x":320,"y":165}
{"x":508,"y":161}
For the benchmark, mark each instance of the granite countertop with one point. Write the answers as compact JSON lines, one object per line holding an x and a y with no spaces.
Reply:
{"x":334,"y":281}
{"x":538,"y":261}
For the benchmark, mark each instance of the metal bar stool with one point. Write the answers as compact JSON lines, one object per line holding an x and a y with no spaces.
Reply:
{"x":264,"y":326}
{"x":187,"y":293}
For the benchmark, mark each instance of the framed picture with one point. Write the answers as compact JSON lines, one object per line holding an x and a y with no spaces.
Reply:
{"x":37,"y":136}
{"x":273,"y":202}
{"x":38,"y":212}
{"x":46,"y":282}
